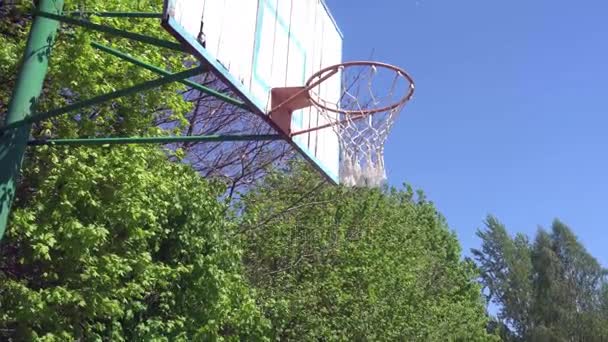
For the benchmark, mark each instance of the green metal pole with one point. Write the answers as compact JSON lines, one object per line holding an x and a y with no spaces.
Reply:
{"x":155,"y":140}
{"x":25,"y":95}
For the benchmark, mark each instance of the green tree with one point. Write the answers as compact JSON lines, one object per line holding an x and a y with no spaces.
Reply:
{"x":332,"y":263}
{"x":550,"y":289}
{"x":120,"y":244}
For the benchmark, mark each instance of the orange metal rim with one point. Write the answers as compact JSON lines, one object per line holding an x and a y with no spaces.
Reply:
{"x":334,"y":68}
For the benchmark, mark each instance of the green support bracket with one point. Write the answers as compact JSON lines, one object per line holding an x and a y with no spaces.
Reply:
{"x":153,"y":140}
{"x":107,"y":29}
{"x":105,"y":97}
{"x":28,"y":87}
{"x":160,"y":71}
{"x":118,"y":14}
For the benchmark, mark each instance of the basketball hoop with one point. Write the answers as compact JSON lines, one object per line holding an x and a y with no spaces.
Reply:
{"x":372,"y":96}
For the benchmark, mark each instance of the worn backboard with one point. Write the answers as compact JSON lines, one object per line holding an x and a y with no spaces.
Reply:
{"x":257,"y":45}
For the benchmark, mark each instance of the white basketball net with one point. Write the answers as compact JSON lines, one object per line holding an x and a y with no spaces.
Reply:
{"x":372,"y":97}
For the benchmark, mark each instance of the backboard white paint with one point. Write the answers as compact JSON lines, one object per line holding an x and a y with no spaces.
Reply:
{"x":257,"y":45}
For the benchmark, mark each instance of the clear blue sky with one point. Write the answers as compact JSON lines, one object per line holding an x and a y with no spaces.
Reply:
{"x":511,"y":111}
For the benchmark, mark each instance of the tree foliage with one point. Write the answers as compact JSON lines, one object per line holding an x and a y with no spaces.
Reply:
{"x":549,"y":289}
{"x":120,"y":244}
{"x":356,"y":264}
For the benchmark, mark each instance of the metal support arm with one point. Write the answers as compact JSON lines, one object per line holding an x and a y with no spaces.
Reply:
{"x":118,"y":14}
{"x":160,"y":71}
{"x":107,"y":29}
{"x":105,"y":97}
{"x":154,"y":140}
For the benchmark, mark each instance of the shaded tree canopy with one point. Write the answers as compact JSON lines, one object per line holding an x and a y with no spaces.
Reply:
{"x":548,"y":289}
{"x":356,"y":264}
